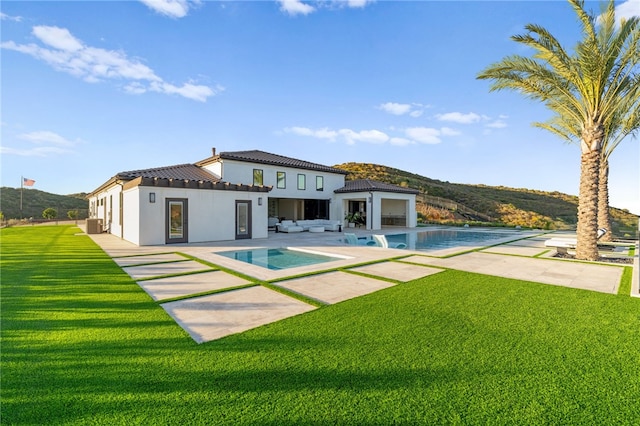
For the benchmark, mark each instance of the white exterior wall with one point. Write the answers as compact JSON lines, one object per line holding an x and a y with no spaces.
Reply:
{"x":211,"y":214}
{"x":242,"y":172}
{"x":131,"y":221}
{"x":106,"y":206}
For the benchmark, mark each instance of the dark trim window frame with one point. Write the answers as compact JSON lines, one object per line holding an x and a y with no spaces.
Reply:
{"x":281,"y":180}
{"x":319,"y":183}
{"x":302,"y":181}
{"x":258,"y":177}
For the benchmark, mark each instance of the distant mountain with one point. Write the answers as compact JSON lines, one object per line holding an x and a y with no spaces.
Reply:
{"x":446,"y":202}
{"x":34,"y":202}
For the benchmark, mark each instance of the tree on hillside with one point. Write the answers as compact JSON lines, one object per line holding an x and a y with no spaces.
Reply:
{"x":49,"y":213}
{"x":596,"y":82}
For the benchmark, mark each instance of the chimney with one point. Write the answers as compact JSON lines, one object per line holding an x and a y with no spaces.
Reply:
{"x":214,"y":151}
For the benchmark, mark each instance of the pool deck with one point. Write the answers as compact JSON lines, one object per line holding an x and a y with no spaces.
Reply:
{"x":240,"y":298}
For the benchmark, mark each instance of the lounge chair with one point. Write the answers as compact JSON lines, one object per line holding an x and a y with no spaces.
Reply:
{"x":562,"y":245}
{"x":381,"y":241}
{"x":353,"y":240}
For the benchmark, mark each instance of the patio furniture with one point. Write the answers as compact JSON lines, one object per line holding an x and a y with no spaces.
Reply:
{"x":353,"y":240}
{"x":288,"y":226}
{"x":316,"y":229}
{"x":381,"y":241}
{"x":272,"y":222}
{"x":562,"y":245}
{"x":328,"y":225}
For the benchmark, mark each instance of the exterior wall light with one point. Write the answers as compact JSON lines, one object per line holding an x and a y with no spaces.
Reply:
{"x":259,"y":201}
{"x":152,"y":197}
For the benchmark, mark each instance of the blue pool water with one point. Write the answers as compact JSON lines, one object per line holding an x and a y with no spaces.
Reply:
{"x":445,"y":238}
{"x":277,"y":258}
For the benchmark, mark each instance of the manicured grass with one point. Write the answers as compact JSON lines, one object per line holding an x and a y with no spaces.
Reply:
{"x":83,"y":344}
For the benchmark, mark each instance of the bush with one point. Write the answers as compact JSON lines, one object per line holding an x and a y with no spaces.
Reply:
{"x":49,"y":213}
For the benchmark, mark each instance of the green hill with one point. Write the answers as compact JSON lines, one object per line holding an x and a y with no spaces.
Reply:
{"x":34,"y":202}
{"x":451,"y":202}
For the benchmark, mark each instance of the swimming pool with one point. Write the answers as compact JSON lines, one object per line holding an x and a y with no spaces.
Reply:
{"x":447,"y":238}
{"x":278,"y":258}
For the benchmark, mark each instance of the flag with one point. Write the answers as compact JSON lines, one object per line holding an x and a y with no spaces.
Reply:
{"x":28,"y":182}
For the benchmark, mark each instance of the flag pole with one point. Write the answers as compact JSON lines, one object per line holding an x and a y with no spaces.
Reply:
{"x":21,"y":189}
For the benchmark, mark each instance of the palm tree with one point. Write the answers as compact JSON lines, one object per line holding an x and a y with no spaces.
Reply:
{"x":615,"y":132}
{"x":590,"y":86}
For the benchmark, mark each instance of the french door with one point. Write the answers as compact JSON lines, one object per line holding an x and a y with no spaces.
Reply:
{"x":176,"y":223}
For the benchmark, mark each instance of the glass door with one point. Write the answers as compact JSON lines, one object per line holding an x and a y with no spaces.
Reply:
{"x":176,"y":221}
{"x":243,"y":220}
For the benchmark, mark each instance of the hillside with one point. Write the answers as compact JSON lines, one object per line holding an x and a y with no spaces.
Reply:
{"x":444,"y":201}
{"x":34,"y":202}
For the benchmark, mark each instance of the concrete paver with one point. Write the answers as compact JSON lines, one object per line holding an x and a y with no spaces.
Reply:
{"x":183,"y":285}
{"x":516,"y":250}
{"x":147,"y":271}
{"x":397,"y":271}
{"x":334,"y":287}
{"x":596,"y":277}
{"x":149,"y":258}
{"x":212,"y":317}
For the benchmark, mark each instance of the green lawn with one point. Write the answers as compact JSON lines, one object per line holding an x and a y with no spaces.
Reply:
{"x":83,"y":344}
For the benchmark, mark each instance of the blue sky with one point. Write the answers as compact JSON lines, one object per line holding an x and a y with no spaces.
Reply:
{"x":90,"y":89}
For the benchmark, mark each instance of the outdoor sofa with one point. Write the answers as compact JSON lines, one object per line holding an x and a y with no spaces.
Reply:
{"x":329,"y":225}
{"x":305,"y":225}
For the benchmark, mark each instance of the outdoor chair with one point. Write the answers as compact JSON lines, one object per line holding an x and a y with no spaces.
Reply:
{"x":381,"y":241}
{"x":353,"y":240}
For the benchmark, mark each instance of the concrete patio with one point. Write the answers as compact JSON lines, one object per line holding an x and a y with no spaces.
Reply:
{"x":238,"y":304}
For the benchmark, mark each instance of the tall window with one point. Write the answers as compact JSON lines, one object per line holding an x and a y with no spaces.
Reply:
{"x":257,"y":177}
{"x":302,"y":182}
{"x":319,"y":183}
{"x":281,"y":178}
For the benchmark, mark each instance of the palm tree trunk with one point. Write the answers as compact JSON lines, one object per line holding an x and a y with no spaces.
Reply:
{"x":587,"y":248}
{"x":604,"y":216}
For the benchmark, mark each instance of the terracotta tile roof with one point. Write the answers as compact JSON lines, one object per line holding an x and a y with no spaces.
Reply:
{"x":261,"y":157}
{"x":178,"y":172}
{"x":368,"y":185}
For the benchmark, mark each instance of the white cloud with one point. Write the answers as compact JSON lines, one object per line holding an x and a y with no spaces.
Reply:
{"x":414,"y":110}
{"x":358,"y":3}
{"x":42,"y":151}
{"x":59,"y":38}
{"x":401,"y":141}
{"x":47,"y":143}
{"x":625,"y":10}
{"x":295,"y":7}
{"x":319,"y":134}
{"x":5,"y":17}
{"x":170,"y":8}
{"x":424,"y":135}
{"x":407,"y":136}
{"x":497,"y":124}
{"x":298,"y":7}
{"x":458,"y":117}
{"x":395,"y":108}
{"x":447,"y":131}
{"x":46,"y":137}
{"x":628,"y":9}
{"x":92,"y":64}
{"x":369,"y":136}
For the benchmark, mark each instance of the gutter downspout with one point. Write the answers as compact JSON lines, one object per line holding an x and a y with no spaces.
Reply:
{"x":121,"y":208}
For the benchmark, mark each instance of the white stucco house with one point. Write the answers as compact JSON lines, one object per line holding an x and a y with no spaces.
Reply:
{"x":232,"y":195}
